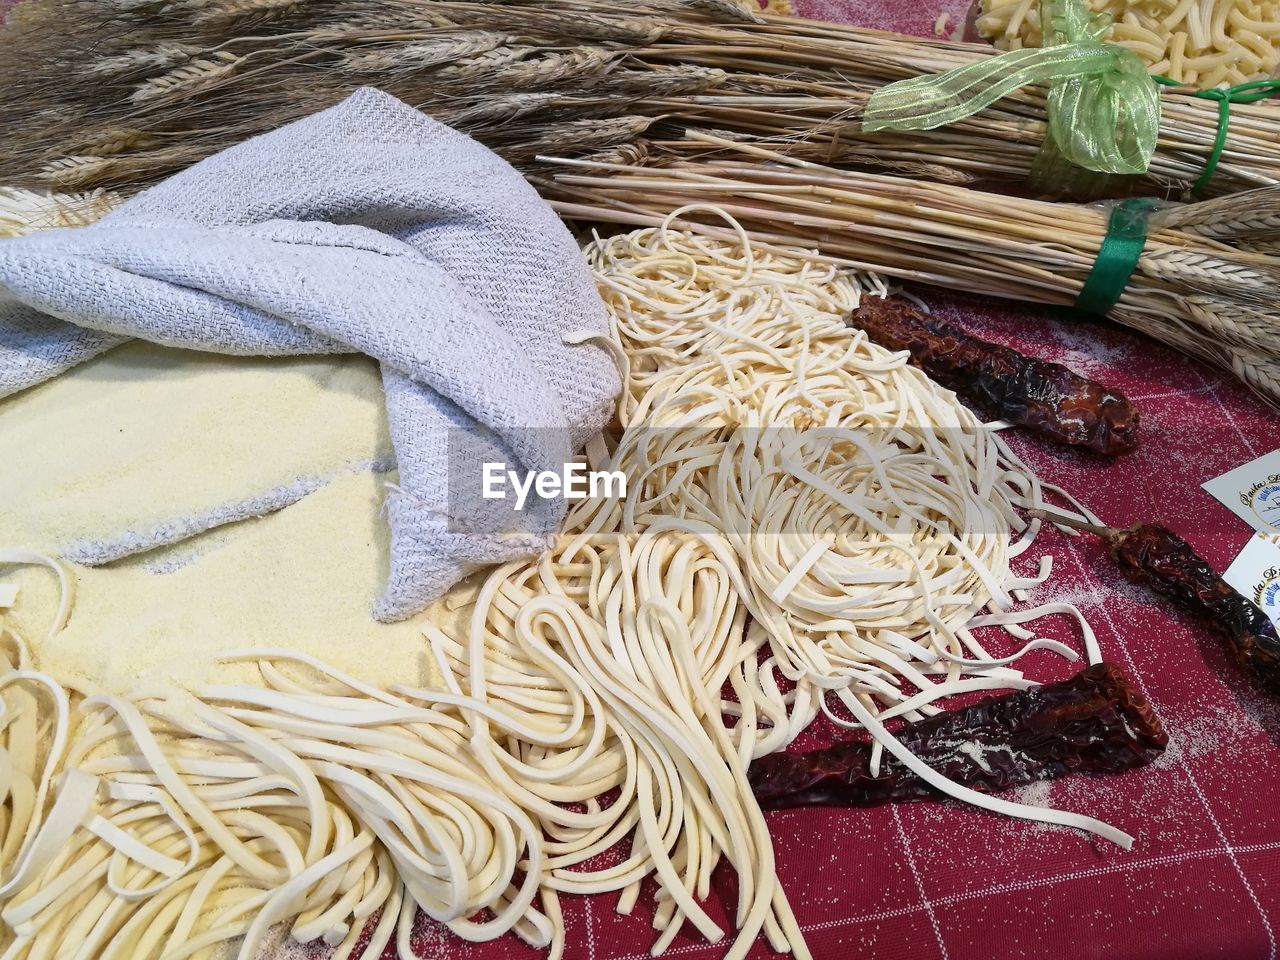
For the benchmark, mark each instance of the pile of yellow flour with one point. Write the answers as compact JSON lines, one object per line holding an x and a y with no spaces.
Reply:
{"x":143,"y":438}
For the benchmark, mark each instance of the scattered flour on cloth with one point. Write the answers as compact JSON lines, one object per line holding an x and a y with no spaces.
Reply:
{"x":145,"y":438}
{"x":141,"y":435}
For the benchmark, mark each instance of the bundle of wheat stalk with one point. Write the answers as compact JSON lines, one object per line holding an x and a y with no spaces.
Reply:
{"x":1205,"y":283}
{"x":118,"y":94}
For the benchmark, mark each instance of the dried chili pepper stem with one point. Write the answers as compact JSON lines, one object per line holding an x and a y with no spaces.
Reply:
{"x":1158,"y":558}
{"x":1062,"y":520}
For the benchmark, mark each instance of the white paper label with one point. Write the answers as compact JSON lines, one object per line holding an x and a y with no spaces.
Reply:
{"x":1252,"y":492}
{"x":1256,"y":574}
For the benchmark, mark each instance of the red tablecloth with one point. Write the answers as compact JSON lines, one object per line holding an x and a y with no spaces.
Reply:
{"x":944,"y":881}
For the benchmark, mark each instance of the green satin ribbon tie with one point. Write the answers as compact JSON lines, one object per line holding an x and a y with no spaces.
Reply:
{"x":1117,"y":257}
{"x":1103,"y":110}
{"x":1250,"y":92}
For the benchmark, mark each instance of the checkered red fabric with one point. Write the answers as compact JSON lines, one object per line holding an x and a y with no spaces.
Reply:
{"x":945,"y":882}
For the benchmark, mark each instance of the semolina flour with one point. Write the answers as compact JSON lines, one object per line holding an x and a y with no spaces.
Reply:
{"x":142,"y":437}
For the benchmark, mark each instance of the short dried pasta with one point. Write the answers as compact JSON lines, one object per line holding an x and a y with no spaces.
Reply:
{"x":1206,"y":43}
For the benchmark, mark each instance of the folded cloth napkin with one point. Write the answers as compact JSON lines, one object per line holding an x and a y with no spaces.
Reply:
{"x":366,"y":228}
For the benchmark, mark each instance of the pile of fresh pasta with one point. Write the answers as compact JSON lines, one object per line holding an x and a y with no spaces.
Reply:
{"x":811,"y":527}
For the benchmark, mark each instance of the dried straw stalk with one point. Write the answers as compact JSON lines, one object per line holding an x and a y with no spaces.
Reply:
{"x":118,"y":94}
{"x":1195,"y":287}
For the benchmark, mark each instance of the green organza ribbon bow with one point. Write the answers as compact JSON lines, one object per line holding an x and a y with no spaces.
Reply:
{"x":1103,"y":109}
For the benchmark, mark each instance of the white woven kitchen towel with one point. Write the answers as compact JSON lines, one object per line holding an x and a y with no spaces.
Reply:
{"x":366,"y":228}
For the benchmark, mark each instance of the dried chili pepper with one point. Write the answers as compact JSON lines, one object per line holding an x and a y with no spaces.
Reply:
{"x":1007,"y":385}
{"x":1096,"y":722}
{"x":1158,"y":558}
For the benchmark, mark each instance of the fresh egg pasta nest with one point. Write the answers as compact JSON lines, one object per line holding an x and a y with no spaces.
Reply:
{"x":811,"y":524}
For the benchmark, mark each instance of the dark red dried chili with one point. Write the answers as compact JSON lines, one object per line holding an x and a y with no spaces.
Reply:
{"x":1005,"y":384}
{"x":1158,"y":558}
{"x":1096,"y":722}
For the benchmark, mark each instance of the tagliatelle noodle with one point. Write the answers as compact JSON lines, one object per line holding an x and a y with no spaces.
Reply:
{"x":650,"y":627}
{"x":809,"y":522}
{"x":868,"y":501}
{"x":264,"y":820}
